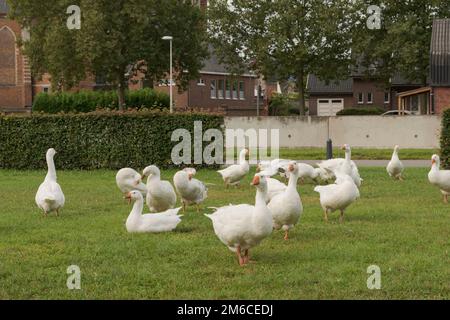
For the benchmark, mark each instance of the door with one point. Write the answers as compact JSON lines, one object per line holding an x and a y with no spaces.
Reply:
{"x":329,"y":107}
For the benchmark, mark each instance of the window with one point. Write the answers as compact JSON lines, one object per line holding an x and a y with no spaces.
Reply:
{"x":235,"y":90}
{"x":387,"y":97}
{"x":213,"y":89}
{"x":201,"y":82}
{"x":227,"y":89}
{"x":241,"y":90}
{"x":369,"y":97}
{"x":220,"y":93}
{"x":7,"y":57}
{"x":360,"y":98}
{"x":46,"y":89}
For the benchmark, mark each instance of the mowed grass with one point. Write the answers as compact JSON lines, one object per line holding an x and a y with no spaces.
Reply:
{"x":357,"y":153}
{"x":403,"y":227}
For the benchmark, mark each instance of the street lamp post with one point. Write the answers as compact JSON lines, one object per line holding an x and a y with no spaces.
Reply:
{"x":170,"y":39}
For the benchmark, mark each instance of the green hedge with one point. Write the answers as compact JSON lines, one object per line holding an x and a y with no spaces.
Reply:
{"x":445,"y":139}
{"x":364,"y":111}
{"x":88,"y":101}
{"x":95,"y":140}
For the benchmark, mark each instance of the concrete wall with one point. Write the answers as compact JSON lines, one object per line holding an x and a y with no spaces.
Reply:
{"x":358,"y":131}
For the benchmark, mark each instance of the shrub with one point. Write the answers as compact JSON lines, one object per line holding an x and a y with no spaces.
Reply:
{"x":95,"y":140}
{"x":365,"y":111}
{"x":283,"y":105}
{"x":445,"y":139}
{"x":88,"y":101}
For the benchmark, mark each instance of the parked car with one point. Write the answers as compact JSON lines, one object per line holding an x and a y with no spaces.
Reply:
{"x":398,"y":113}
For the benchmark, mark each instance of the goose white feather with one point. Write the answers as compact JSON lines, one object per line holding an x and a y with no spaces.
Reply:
{"x":151,"y":223}
{"x":191,"y":191}
{"x":233,"y":174}
{"x":50,"y":196}
{"x":338,"y":196}
{"x":128,"y":179}
{"x":244,"y":226}
{"x":161,"y":195}
{"x":345,"y":166}
{"x":286,"y":207}
{"x":395,"y":166}
{"x":439,"y":178}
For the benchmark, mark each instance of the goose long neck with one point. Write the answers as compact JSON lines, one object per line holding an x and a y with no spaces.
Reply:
{"x":51,"y":172}
{"x":137,"y":208}
{"x":242,"y":158}
{"x":260,"y":200}
{"x":293,"y":178}
{"x":348,"y":155}
{"x":395,"y":154}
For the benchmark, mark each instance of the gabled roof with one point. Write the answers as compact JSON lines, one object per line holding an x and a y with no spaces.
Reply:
{"x":213,"y":66}
{"x":4,"y":9}
{"x":315,"y":85}
{"x":440,"y":53}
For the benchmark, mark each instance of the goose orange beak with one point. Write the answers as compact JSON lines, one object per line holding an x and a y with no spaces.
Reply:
{"x":190,"y":176}
{"x":433,"y":161}
{"x":291,"y":167}
{"x":256,"y":181}
{"x":128,"y":197}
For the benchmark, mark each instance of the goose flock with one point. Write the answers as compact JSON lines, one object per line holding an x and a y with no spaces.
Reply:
{"x":240,"y":227}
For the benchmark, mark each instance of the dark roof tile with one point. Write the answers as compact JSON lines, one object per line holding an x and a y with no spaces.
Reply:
{"x":315,"y":85}
{"x":440,"y":53}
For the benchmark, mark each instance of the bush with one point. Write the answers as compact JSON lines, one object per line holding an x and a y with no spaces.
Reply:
{"x":95,"y":140}
{"x":364,"y":111}
{"x":445,"y":139}
{"x":88,"y":101}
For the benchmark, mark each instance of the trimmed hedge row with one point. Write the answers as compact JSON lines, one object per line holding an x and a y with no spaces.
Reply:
{"x":445,"y":140}
{"x":88,"y":101}
{"x":95,"y":140}
{"x":367,"y":111}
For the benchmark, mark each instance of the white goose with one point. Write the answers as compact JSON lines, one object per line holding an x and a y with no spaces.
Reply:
{"x":345,"y":166}
{"x":128,"y":180}
{"x":191,"y":191}
{"x":244,"y":226}
{"x":235,"y":173}
{"x":49,"y":196}
{"x":161,"y":195}
{"x":152,"y":223}
{"x":286,"y":207}
{"x":395,"y":166}
{"x":439,"y":178}
{"x":338,"y":196}
{"x":274,"y":187}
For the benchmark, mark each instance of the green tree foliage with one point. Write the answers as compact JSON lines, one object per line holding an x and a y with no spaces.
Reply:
{"x":402,"y":45}
{"x":285,"y":38}
{"x":117,"y":40}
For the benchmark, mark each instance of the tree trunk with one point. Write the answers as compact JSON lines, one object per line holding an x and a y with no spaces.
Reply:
{"x":301,"y":93}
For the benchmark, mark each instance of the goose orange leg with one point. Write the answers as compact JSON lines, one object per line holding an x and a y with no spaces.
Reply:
{"x":240,"y":259}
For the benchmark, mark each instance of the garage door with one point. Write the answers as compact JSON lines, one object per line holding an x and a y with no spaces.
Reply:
{"x":329,"y":107}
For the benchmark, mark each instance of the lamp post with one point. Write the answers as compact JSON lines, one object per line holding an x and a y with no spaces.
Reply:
{"x":170,"y":39}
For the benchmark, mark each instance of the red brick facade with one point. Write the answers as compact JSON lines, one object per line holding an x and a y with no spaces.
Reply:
{"x":15,"y":76}
{"x":441,"y":99}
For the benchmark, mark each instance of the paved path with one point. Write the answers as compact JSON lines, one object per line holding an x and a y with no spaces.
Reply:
{"x":381,"y":163}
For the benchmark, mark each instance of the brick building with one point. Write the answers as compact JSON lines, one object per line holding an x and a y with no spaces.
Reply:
{"x":15,"y":76}
{"x":358,"y":91}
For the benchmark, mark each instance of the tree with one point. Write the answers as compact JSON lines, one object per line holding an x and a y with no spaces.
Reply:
{"x":285,"y":38}
{"x":117,"y":40}
{"x":402,"y":44}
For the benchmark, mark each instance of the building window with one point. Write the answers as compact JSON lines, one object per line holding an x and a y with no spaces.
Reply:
{"x":387,"y":97}
{"x":360,"y":98}
{"x":220,"y":93}
{"x":201,"y":82}
{"x":213,"y":89}
{"x":235,"y":90}
{"x":7,"y":57}
{"x":227,"y":89}
{"x":241,"y":90}
{"x":369,"y":97}
{"x":46,"y":89}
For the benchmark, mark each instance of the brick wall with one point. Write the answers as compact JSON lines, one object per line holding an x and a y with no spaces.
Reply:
{"x":441,"y":99}
{"x":15,"y":75}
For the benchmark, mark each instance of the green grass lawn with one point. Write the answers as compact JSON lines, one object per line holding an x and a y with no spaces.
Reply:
{"x":357,"y":153}
{"x":403,"y":227}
